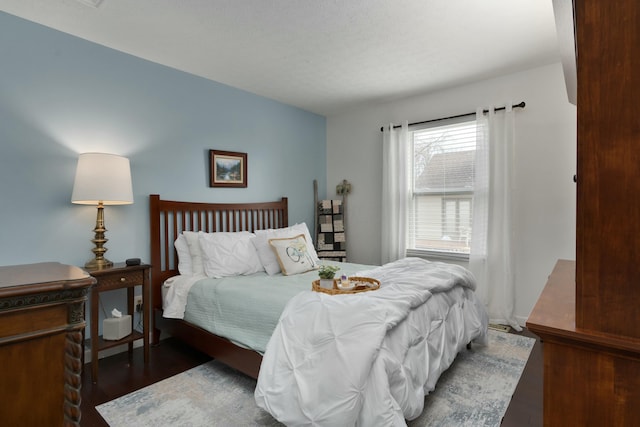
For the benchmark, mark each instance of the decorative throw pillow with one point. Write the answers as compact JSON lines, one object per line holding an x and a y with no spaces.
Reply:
{"x":267,"y":254}
{"x":227,"y":254}
{"x":184,"y":256}
{"x":293,"y":255}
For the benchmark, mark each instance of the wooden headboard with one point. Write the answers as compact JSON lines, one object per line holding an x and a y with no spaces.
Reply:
{"x":170,"y":218}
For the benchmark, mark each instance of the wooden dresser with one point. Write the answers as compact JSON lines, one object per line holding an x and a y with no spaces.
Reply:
{"x":590,"y":378}
{"x":587,"y":315}
{"x":41,"y":329}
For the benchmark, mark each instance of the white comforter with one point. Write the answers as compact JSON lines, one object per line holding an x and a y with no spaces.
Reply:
{"x":369,"y":359}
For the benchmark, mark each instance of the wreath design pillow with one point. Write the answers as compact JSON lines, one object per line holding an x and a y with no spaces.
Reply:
{"x":293,"y":255}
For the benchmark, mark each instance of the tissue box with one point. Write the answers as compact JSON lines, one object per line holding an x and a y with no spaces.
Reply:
{"x":116,"y":328}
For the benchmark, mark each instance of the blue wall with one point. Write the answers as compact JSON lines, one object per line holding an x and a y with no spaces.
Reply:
{"x":61,"y":96}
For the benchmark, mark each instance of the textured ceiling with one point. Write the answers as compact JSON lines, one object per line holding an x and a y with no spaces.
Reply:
{"x":324,"y":56}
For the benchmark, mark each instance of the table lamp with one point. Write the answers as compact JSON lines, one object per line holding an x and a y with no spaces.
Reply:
{"x":101,"y":179}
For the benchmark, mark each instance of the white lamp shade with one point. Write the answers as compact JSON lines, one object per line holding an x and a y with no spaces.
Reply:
{"x":102,"y":178}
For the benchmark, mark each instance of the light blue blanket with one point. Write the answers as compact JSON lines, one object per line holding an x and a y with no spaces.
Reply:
{"x":246,"y":309}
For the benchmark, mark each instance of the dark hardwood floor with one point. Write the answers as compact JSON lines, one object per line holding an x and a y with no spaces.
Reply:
{"x":119,"y":375}
{"x":525,"y":408}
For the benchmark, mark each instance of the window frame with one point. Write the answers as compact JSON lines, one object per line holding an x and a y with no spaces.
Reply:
{"x":434,"y":253}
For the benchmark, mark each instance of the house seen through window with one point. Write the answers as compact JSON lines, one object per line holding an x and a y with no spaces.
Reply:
{"x":440,"y":214}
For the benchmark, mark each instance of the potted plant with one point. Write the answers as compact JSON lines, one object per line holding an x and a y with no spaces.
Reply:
{"x":326,"y":273}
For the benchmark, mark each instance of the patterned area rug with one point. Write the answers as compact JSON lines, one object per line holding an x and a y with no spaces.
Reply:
{"x":474,"y":391}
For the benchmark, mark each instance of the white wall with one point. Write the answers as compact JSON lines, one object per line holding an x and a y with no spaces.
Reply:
{"x":545,"y":162}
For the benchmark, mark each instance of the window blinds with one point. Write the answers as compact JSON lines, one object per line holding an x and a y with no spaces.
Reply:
{"x":442,"y":187}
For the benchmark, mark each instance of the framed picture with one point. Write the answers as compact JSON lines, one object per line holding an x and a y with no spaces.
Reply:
{"x":228,"y":169}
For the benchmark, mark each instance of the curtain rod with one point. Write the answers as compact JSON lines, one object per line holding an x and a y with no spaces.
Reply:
{"x":520,"y":105}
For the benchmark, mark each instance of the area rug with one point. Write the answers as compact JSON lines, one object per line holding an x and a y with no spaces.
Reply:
{"x":474,"y":391}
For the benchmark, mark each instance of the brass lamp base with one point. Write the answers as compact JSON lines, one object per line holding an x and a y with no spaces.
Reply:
{"x":99,"y":262}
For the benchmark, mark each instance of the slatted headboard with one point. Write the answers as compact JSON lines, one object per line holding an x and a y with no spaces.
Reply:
{"x":169,"y":218}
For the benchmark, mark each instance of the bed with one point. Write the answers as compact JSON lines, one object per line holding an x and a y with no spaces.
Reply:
{"x":167,"y":220}
{"x":327,"y":360}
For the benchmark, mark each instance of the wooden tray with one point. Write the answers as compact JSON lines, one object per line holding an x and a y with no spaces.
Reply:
{"x":363,"y":284}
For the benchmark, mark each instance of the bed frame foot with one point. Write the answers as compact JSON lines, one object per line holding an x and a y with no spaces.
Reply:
{"x":155,"y":338}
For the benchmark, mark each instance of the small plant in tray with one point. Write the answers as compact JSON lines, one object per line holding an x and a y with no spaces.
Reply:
{"x":327,"y":271}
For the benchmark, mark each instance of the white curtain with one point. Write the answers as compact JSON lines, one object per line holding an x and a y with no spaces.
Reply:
{"x":490,"y":258}
{"x":395,"y":192}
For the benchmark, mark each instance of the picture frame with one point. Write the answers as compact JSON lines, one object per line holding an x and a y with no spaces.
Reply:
{"x":227,"y":169}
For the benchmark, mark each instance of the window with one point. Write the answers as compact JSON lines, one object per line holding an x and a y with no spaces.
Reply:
{"x":440,"y":215}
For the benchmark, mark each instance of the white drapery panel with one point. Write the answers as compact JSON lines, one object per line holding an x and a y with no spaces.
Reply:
{"x":490,"y":258}
{"x":395,"y":192}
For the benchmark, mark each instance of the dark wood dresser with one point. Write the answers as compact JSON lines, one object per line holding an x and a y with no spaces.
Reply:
{"x":41,"y":329}
{"x":591,"y":378}
{"x":587,"y":315}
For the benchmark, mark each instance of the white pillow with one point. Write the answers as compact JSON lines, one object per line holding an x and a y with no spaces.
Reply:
{"x":267,"y":254}
{"x":292,"y":254}
{"x":184,"y":256}
{"x":194,"y":251}
{"x":229,"y":254}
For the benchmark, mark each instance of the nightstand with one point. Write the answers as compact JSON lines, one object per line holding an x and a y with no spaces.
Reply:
{"x":120,"y":276}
